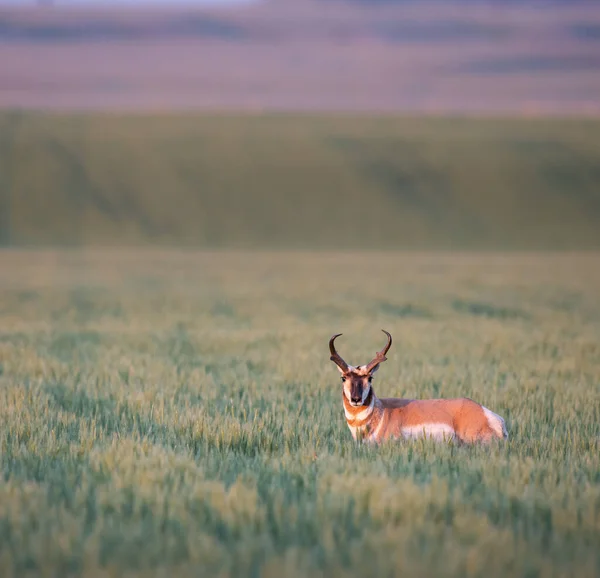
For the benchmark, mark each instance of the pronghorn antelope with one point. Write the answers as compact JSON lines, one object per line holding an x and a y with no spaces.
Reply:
{"x":373,"y":419}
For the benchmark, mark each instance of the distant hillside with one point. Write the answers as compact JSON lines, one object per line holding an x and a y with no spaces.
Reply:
{"x":299,"y":182}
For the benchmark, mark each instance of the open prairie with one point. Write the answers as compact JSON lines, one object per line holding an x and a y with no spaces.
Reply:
{"x":167,"y":413}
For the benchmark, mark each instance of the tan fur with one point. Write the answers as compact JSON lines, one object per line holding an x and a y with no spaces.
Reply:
{"x":375,"y":420}
{"x":391,"y":417}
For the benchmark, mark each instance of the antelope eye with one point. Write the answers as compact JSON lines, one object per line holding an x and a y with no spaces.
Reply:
{"x":370,"y":379}
{"x":343,"y":378}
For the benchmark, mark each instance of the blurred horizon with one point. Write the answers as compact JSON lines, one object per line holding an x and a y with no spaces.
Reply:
{"x":299,"y":182}
{"x":354,"y":124}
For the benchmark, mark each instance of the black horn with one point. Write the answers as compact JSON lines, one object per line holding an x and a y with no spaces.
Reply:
{"x":380,"y":355}
{"x":335,"y":356}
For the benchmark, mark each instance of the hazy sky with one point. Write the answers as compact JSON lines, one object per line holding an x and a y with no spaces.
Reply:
{"x":118,"y":2}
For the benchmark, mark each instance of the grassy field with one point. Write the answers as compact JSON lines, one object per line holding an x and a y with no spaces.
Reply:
{"x":299,"y":182}
{"x":169,"y":413}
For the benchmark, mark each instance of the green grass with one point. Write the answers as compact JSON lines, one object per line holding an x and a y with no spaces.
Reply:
{"x":170,"y":413}
{"x":299,"y":182}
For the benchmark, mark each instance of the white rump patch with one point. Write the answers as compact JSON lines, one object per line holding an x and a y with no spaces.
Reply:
{"x":495,"y":422}
{"x":438,"y":431}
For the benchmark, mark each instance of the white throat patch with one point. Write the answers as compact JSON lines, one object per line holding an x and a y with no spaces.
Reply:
{"x":363,"y":415}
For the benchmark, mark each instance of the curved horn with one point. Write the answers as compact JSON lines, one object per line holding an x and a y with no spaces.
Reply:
{"x":380,"y":355}
{"x":335,"y":356}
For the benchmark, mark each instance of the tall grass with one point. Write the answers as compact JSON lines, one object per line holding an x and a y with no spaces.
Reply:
{"x":175,"y":413}
{"x":299,"y":181}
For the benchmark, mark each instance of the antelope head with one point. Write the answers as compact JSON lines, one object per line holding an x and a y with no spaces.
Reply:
{"x":357,"y":380}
